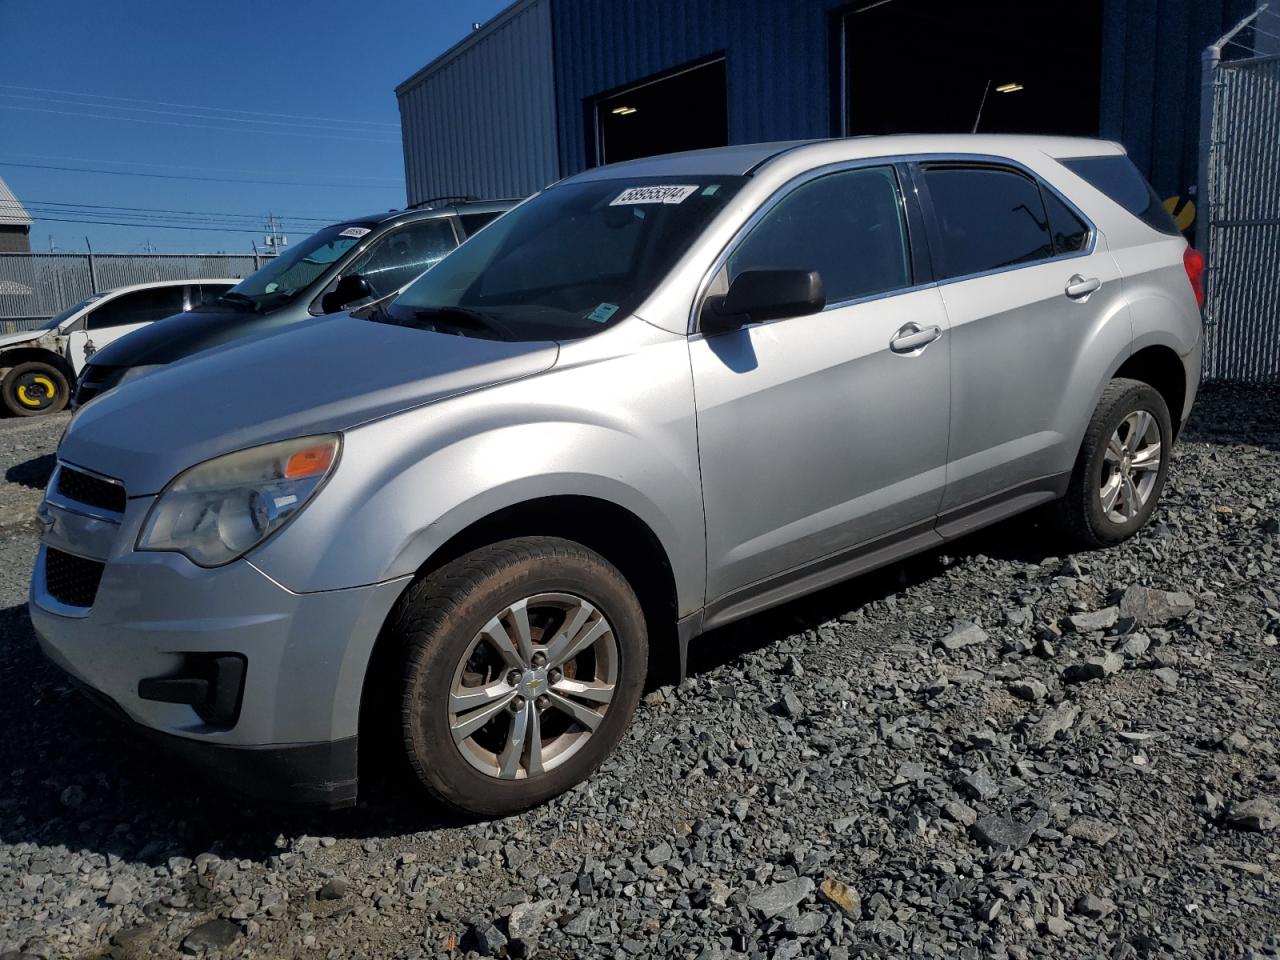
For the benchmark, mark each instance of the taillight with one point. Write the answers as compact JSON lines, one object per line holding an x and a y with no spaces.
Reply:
{"x":1193,"y":261}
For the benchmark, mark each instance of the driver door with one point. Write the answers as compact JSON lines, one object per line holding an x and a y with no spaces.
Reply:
{"x":821,"y":435}
{"x":117,"y":316}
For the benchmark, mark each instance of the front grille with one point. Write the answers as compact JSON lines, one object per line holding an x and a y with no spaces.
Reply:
{"x":70,"y":579}
{"x":90,"y":490}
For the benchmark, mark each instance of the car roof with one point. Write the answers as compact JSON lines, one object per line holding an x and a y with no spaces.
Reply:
{"x":129,"y":288}
{"x":426,"y":213}
{"x":746,"y":158}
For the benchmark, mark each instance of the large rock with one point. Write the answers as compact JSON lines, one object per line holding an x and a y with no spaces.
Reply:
{"x":963,"y":634}
{"x":1259,"y":815}
{"x":779,"y":897}
{"x":1052,"y":723}
{"x":1094,"y":620}
{"x":1094,"y":668}
{"x":842,"y":896}
{"x":527,"y":919}
{"x":211,"y":937}
{"x":1002,"y":833}
{"x":1145,"y":605}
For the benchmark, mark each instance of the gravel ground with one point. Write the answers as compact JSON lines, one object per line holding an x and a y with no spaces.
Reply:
{"x":999,"y":751}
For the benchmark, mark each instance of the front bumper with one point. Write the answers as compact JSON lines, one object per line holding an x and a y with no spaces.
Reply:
{"x":293,"y":735}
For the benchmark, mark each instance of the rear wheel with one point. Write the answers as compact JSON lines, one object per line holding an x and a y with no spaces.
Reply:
{"x":524,"y":663}
{"x":35,"y":388}
{"x":1122,"y":466}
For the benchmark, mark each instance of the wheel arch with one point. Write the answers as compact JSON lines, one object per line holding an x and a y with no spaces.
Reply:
{"x":28,"y":353}
{"x":612,"y":530}
{"x":1160,"y":367}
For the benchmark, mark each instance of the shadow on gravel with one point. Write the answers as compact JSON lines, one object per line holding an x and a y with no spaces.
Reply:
{"x":1022,"y":539}
{"x":33,"y":473}
{"x":1232,"y":414}
{"x":79,"y":778}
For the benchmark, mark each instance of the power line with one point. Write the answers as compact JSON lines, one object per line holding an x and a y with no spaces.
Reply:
{"x":193,"y":126}
{"x":166,"y":103}
{"x":157,"y":226}
{"x":174,"y":176}
{"x":180,"y":113}
{"x":213,"y":213}
{"x":172,"y":166}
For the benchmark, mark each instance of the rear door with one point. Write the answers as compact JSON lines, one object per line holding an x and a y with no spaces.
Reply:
{"x":1034,"y":302}
{"x":120,"y":315}
{"x":821,"y":433}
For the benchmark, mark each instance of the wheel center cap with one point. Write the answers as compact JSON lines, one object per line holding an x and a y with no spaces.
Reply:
{"x":533,"y":683}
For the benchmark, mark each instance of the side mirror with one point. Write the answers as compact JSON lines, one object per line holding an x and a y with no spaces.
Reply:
{"x":350,"y":288}
{"x":757,"y":295}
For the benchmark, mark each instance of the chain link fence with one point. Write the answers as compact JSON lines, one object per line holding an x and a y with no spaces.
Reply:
{"x":1240,"y":230}
{"x":37,"y":286}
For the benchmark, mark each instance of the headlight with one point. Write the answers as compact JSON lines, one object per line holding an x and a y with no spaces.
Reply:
{"x":222,"y":508}
{"x":132,"y":373}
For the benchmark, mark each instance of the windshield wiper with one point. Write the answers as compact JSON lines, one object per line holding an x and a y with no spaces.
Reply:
{"x":462,"y":318}
{"x":239,"y":298}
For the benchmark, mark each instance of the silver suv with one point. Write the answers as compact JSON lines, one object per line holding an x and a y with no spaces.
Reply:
{"x":653,"y":399}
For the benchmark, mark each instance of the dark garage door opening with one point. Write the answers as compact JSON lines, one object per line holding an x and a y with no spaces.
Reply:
{"x":917,"y":66}
{"x":685,"y":110}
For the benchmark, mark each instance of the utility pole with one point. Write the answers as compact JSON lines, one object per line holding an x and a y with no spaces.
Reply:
{"x":93,"y":268}
{"x":275,"y":238}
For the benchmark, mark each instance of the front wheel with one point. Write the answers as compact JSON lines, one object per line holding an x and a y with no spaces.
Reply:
{"x":524,"y":662}
{"x":1122,"y":465}
{"x":34,"y":389}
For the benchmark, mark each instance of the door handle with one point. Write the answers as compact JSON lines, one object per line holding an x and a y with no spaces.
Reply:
{"x":913,"y":337}
{"x":1079,"y":287}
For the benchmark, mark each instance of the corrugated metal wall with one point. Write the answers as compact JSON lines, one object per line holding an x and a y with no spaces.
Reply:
{"x":481,"y":120}
{"x":777,"y":64}
{"x":1151,"y":81}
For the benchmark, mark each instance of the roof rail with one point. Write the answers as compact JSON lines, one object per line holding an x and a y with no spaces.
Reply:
{"x":451,"y":198}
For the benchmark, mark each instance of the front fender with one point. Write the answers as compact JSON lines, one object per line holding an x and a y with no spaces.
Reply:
{"x":624,"y":433}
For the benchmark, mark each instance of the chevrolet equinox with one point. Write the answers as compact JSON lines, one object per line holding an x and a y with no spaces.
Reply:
{"x":654,"y":398}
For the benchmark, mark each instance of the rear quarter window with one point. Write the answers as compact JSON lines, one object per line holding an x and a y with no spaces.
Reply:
{"x":1119,"y":179}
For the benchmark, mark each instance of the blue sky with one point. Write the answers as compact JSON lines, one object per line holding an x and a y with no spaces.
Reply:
{"x":299,"y":93}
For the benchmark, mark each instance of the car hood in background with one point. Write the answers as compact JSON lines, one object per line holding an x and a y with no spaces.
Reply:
{"x":327,"y":375}
{"x":183,"y":334}
{"x":21,"y":336}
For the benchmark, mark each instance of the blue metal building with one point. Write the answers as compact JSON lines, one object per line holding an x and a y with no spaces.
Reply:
{"x":550,"y":87}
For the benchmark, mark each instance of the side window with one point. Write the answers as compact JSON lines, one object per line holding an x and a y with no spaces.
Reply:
{"x":1070,"y":233}
{"x":141,"y":306}
{"x":473,"y":223}
{"x":403,"y":254}
{"x":987,"y":219}
{"x":1119,"y":179}
{"x":848,"y":226}
{"x":207,"y":293}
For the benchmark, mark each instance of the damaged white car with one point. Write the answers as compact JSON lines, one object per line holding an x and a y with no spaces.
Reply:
{"x":38,"y":368}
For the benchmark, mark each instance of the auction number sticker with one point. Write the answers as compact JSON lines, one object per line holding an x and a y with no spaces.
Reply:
{"x":356,"y":232}
{"x":674,"y":193}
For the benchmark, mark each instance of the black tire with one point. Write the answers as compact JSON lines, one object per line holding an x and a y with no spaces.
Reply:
{"x":1081,"y":511}
{"x":35,"y":389}
{"x":437,"y":622}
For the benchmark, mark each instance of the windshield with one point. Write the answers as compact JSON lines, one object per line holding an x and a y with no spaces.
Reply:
{"x":70,"y":311}
{"x":283,"y":277}
{"x":568,"y":263}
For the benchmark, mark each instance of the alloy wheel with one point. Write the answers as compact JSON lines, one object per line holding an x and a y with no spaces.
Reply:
{"x":1130,"y":466}
{"x":533,"y":686}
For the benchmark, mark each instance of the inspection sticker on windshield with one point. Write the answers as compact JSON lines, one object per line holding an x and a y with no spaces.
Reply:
{"x":603,"y":312}
{"x":655,"y":194}
{"x":356,"y":232}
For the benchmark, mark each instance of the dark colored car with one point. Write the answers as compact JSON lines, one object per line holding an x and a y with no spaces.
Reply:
{"x":341,"y":266}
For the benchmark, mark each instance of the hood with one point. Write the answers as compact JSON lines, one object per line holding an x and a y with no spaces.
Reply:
{"x":21,"y":336}
{"x":323,"y":376}
{"x":183,"y":334}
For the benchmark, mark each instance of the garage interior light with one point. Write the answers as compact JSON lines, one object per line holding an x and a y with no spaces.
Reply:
{"x":1009,"y":88}
{"x":623,"y":111}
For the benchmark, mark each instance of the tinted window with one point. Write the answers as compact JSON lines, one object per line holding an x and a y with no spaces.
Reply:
{"x":475,"y":222}
{"x":141,"y":306}
{"x":403,"y":254}
{"x":847,"y":226}
{"x":208,"y":293}
{"x":1120,"y":180}
{"x":1070,"y":233}
{"x":988,"y":219}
